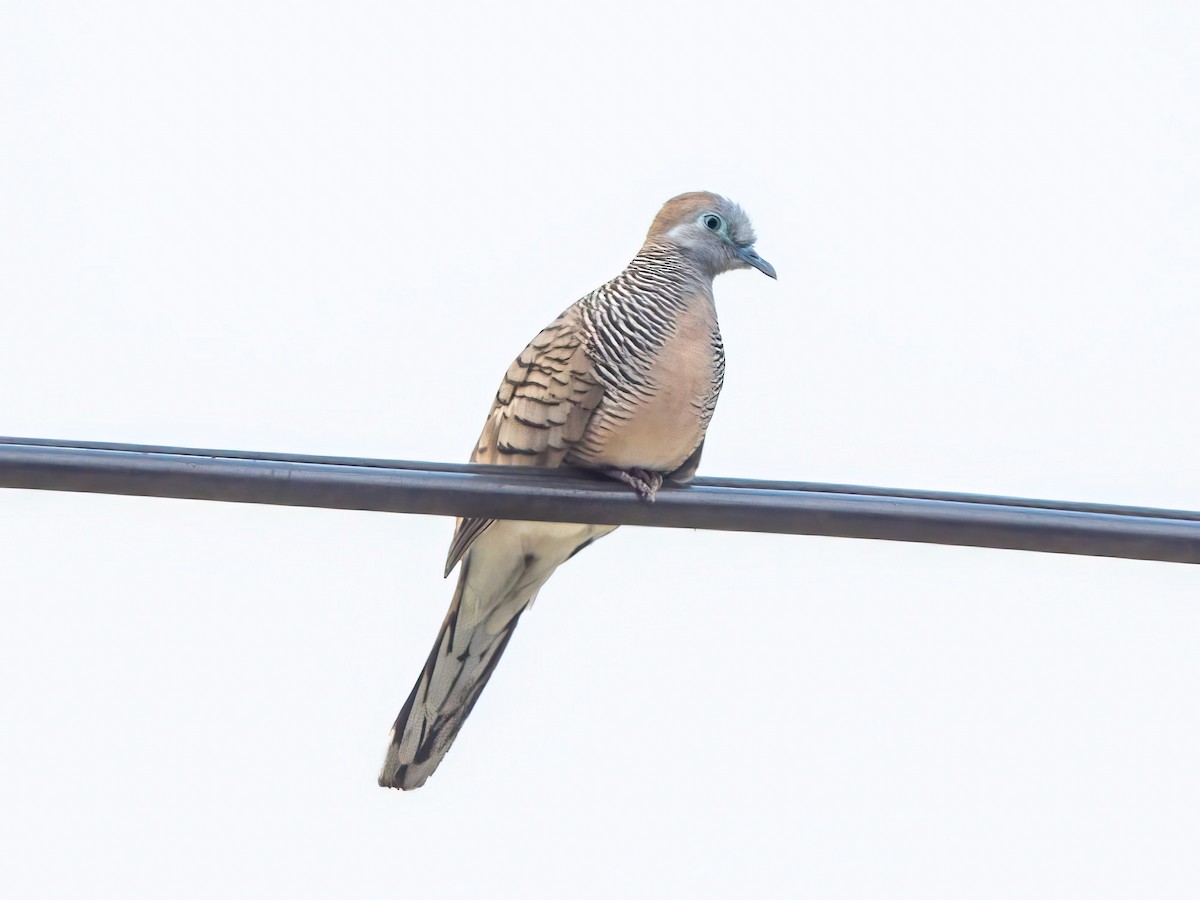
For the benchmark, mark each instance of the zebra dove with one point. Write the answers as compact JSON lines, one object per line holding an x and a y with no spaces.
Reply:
{"x":623,"y":382}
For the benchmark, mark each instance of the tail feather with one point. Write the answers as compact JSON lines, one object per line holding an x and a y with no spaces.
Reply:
{"x":500,"y":575}
{"x":454,"y":676}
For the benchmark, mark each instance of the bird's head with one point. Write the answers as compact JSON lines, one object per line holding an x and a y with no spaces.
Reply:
{"x":714,"y":232}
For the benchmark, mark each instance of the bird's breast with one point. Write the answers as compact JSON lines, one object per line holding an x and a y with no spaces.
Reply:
{"x":657,"y":428}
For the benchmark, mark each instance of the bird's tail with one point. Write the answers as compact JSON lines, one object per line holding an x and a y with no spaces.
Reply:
{"x":460,"y":664}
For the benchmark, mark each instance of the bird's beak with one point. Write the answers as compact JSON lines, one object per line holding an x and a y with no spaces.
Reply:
{"x":750,"y":258}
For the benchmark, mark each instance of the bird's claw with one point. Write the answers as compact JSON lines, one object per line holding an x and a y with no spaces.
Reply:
{"x":646,"y":483}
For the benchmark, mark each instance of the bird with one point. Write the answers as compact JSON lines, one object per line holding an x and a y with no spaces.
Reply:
{"x":624,"y":382}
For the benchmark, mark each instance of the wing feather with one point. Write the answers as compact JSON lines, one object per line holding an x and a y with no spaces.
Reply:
{"x":542,"y":408}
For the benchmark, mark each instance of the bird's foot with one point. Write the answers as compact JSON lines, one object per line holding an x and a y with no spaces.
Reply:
{"x":646,"y":483}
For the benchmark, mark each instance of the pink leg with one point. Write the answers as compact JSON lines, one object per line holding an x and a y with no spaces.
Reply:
{"x":646,"y":483}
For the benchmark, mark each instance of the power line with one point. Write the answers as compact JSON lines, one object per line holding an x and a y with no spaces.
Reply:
{"x":563,"y":495}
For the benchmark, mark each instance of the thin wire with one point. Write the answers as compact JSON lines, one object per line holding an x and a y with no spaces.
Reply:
{"x":564,"y":495}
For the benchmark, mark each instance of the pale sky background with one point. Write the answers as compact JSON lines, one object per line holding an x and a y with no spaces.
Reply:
{"x":328,"y":228}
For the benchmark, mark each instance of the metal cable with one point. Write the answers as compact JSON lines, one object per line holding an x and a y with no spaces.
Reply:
{"x":564,"y":495}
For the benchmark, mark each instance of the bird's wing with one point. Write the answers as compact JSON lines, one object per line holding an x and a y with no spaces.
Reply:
{"x":542,"y":408}
{"x":687,"y":471}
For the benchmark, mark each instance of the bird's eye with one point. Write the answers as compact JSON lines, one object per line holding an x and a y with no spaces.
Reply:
{"x":713,"y":223}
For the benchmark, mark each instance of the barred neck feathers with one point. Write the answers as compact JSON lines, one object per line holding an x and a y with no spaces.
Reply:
{"x":659,"y":274}
{"x":630,"y":319}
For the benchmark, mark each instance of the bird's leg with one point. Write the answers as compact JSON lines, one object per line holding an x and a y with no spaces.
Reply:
{"x":646,"y":483}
